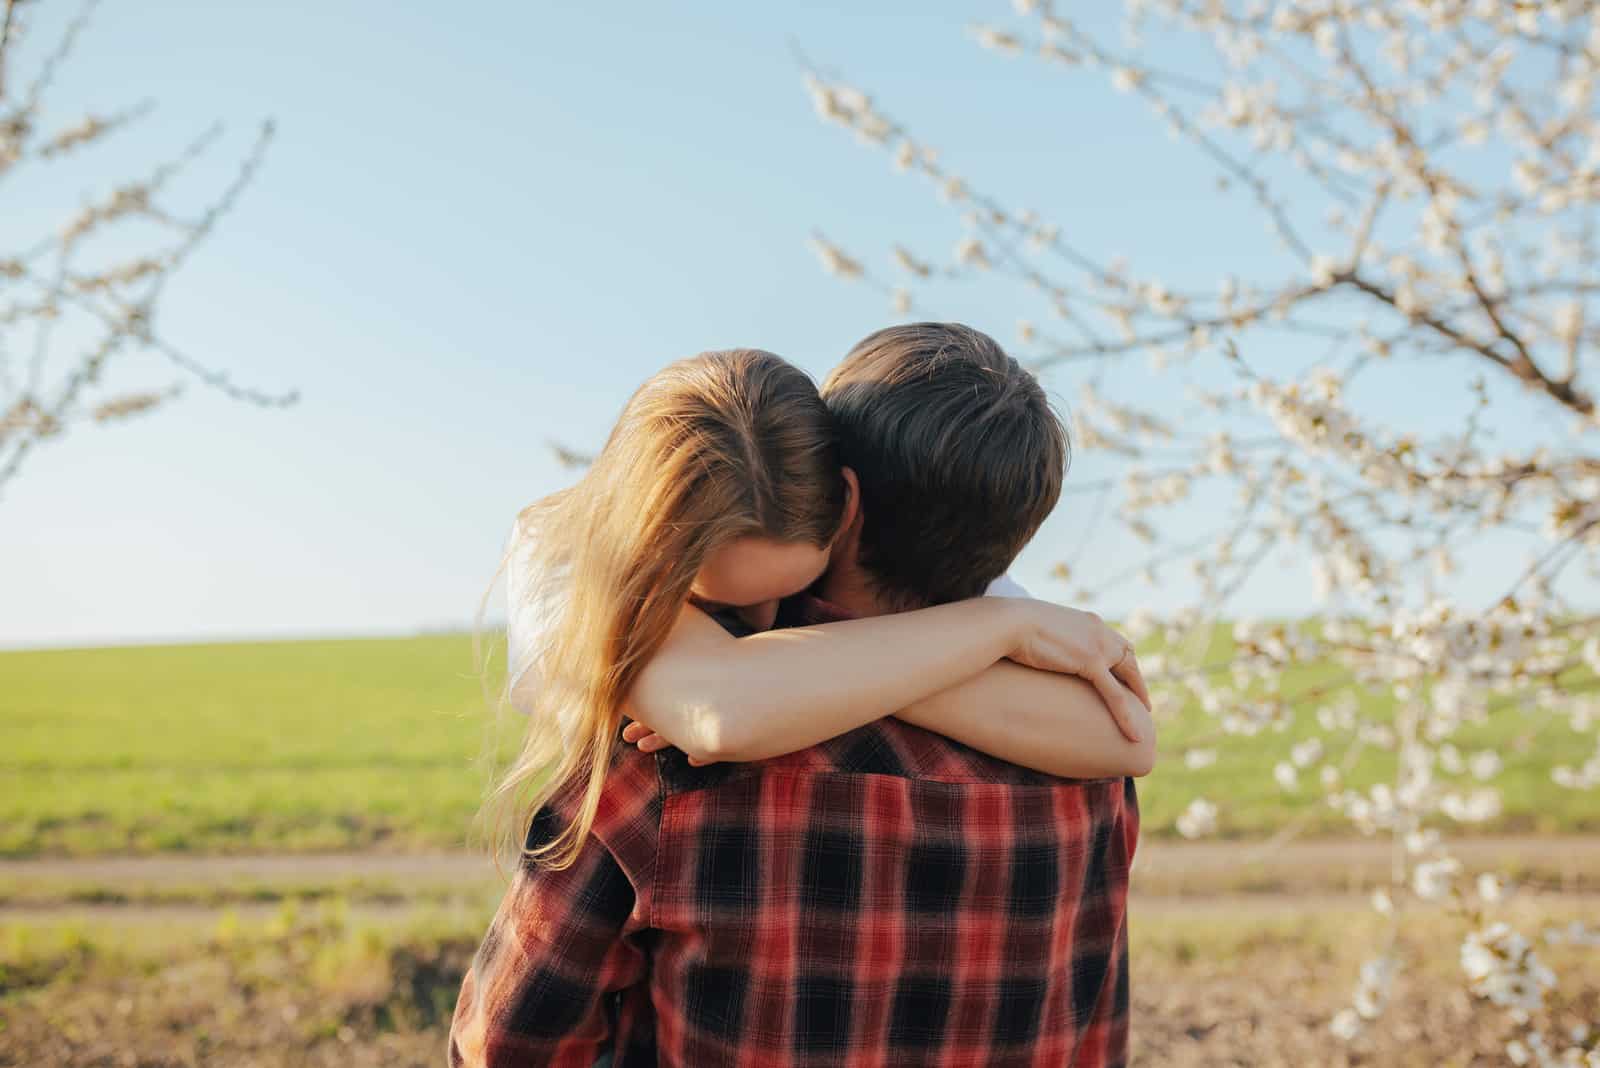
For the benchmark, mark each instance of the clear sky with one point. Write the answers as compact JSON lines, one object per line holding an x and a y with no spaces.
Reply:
{"x":479,"y":228}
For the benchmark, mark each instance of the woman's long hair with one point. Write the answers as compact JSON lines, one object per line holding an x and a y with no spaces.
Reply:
{"x":719,"y":446}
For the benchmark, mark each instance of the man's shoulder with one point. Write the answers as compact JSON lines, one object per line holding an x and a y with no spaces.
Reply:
{"x":892,"y":746}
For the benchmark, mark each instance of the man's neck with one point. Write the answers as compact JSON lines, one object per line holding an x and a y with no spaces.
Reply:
{"x":851,"y":589}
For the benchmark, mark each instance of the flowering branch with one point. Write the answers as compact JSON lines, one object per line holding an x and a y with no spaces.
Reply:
{"x":43,"y":287}
{"x":1449,"y":149}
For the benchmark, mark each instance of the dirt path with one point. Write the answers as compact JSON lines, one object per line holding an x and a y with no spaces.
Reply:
{"x":1269,"y":878}
{"x":1147,"y":906}
{"x":183,"y":869}
{"x":1570,"y":864}
{"x":1337,"y":864}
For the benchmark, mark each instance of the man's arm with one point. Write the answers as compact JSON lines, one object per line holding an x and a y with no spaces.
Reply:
{"x":556,"y":947}
{"x":1049,"y":722}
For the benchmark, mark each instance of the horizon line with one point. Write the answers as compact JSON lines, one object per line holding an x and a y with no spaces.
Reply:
{"x":66,"y":644}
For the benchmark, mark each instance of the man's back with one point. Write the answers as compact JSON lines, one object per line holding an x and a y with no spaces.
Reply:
{"x":891,"y":897}
{"x":887,"y":897}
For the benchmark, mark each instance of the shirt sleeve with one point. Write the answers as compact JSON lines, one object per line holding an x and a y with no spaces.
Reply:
{"x":522,"y":613}
{"x":557,"y":948}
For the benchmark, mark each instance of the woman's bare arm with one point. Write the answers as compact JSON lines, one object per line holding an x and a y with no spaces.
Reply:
{"x":721,"y":698}
{"x":1041,"y":720}
{"x":717,"y":697}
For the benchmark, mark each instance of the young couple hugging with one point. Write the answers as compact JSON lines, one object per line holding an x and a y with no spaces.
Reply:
{"x":795,"y":791}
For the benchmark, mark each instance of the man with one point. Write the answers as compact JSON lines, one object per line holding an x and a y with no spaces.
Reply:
{"x":887,"y":897}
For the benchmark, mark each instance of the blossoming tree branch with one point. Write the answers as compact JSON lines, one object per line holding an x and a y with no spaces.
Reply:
{"x":1429,"y":174}
{"x":77,"y":300}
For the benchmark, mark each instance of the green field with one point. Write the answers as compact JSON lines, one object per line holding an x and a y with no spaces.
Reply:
{"x":261,"y":746}
{"x":363,"y":744}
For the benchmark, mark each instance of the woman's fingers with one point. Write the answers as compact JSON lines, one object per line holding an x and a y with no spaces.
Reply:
{"x":649,"y":741}
{"x":1118,"y":699}
{"x":1127,"y":669}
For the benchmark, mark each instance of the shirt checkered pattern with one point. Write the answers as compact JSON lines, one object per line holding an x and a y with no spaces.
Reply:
{"x":887,"y":898}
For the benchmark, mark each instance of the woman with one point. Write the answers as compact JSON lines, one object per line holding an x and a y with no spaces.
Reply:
{"x":720,"y":489}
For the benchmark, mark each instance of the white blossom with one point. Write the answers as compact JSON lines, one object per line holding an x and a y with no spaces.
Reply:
{"x":997,"y":39}
{"x":1431,"y":879}
{"x":1500,"y":965}
{"x":1126,"y":79}
{"x":834,"y":259}
{"x":1345,"y":1025}
{"x":1198,"y":820}
{"x":970,"y":251}
{"x":1288,"y":778}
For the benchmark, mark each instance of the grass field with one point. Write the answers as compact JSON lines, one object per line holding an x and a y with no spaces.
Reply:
{"x":266,"y":746}
{"x":377,"y":744}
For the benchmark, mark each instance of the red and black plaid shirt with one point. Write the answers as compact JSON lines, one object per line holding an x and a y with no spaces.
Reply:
{"x":887,"y":898}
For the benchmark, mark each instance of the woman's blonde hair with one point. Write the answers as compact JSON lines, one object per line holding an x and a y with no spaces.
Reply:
{"x":719,"y":446}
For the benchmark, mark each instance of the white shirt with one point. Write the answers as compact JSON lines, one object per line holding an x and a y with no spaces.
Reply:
{"x":1006,"y":586}
{"x":530,"y":614}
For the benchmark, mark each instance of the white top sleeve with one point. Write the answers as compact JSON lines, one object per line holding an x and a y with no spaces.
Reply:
{"x":1006,"y":586}
{"x":535,"y":600}
{"x":529,"y":616}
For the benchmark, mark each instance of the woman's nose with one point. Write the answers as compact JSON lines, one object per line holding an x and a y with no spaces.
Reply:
{"x":760,"y":616}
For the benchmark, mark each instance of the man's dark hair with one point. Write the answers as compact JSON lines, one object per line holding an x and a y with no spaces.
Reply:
{"x":959,"y":453}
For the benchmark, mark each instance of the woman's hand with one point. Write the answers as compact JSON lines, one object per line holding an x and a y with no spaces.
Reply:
{"x":649,"y":741}
{"x":721,"y":698}
{"x":1067,"y":641}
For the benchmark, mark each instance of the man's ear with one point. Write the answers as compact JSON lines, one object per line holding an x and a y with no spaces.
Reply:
{"x":851,"y":516}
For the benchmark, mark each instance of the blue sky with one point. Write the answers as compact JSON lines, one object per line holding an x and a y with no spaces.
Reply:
{"x":477,"y":232}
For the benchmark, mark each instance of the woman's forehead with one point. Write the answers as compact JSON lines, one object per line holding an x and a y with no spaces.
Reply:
{"x":749,"y":571}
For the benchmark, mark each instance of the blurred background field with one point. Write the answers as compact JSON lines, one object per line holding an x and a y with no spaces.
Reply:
{"x":258,"y":854}
{"x":381,"y":744}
